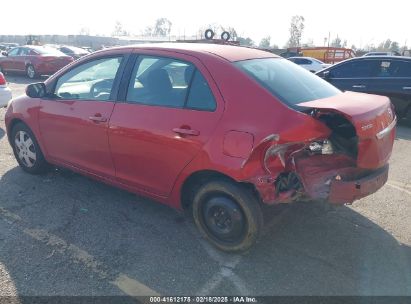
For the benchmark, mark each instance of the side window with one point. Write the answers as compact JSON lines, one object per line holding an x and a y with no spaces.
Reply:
{"x":14,"y":52}
{"x":160,"y":81}
{"x":354,"y":69}
{"x":305,"y":61}
{"x":200,"y":96}
{"x":384,"y":68}
{"x":401,"y":68}
{"x":90,"y":81}
{"x":24,"y":52}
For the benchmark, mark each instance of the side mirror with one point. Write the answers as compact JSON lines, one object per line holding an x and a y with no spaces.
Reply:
{"x":4,"y":53}
{"x":36,"y":90}
{"x":325,"y":74}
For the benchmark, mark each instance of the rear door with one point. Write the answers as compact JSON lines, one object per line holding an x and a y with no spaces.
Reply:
{"x":20,"y":62}
{"x":171,"y":107}
{"x":74,"y":120}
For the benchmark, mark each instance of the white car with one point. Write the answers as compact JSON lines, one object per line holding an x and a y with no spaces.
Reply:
{"x":309,"y":63}
{"x":5,"y":92}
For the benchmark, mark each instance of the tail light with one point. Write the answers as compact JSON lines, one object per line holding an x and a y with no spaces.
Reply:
{"x":2,"y":79}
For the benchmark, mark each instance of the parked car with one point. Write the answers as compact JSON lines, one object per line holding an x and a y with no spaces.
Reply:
{"x":308,"y":63}
{"x":216,"y":129}
{"x":73,"y":51}
{"x":5,"y":92}
{"x":34,"y":60}
{"x":382,"y":54}
{"x":383,"y":75}
{"x":8,"y":46}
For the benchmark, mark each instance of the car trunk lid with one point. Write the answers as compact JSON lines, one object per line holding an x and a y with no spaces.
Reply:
{"x":373,"y":119}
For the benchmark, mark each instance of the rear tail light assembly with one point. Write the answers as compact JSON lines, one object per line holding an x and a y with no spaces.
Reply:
{"x":2,"y":79}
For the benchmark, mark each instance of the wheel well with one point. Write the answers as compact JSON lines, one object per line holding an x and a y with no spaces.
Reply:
{"x":197,"y":179}
{"x":14,"y":122}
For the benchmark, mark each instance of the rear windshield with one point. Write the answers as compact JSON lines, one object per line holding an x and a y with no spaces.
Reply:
{"x":44,"y":50}
{"x":287,"y":81}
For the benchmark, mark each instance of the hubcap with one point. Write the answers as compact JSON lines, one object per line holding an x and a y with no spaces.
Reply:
{"x":25,"y":149}
{"x":224,"y":219}
{"x":30,"y":71}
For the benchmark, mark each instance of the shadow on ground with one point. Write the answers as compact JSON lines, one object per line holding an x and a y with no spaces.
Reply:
{"x":306,"y":250}
{"x":403,"y":132}
{"x":21,"y":79}
{"x":2,"y":133}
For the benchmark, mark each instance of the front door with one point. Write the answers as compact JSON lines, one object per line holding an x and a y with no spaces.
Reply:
{"x":74,"y":121}
{"x":169,"y":113}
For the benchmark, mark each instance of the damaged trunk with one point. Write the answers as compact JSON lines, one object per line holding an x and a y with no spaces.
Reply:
{"x":348,"y":163}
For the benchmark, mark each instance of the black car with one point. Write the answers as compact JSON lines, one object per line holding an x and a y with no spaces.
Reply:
{"x":383,"y":75}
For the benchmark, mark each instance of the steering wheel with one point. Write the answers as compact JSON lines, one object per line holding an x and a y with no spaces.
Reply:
{"x":101,"y":88}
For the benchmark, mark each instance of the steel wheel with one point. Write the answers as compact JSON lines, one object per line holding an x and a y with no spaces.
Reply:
{"x":26,"y":151}
{"x":227,"y":214}
{"x":224,"y":219}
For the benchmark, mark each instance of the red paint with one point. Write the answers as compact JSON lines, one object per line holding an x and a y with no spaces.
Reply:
{"x":153,"y":150}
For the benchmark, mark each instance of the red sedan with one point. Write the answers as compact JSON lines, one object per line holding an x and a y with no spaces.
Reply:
{"x":215,"y":128}
{"x":34,"y":60}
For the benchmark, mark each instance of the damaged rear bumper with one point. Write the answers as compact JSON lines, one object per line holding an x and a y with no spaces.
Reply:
{"x":347,"y":191}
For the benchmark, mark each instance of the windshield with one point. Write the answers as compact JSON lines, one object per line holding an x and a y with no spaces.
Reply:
{"x":286,"y":80}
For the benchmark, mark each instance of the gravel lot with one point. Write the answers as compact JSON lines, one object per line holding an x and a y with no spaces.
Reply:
{"x":64,"y":234}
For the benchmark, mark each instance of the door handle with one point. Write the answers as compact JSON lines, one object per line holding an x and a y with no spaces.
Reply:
{"x":182,"y":131}
{"x":406,"y":88}
{"x":98,"y":118}
{"x":358,"y":86}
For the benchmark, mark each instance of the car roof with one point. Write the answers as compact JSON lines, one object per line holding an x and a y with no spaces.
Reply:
{"x":381,"y":57}
{"x":228,"y":52}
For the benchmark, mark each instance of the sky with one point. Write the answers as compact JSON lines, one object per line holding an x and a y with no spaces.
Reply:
{"x":360,"y":22}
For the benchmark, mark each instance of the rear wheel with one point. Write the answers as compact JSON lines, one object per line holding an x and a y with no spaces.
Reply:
{"x":31,"y":72}
{"x":27,"y":151}
{"x":228,"y":215}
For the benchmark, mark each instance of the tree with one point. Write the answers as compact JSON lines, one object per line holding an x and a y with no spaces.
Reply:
{"x":336,"y":42}
{"x":395,"y":47}
{"x":296,"y":31}
{"x":162,"y":27}
{"x":245,"y":41}
{"x":119,"y":30}
{"x":265,"y":42}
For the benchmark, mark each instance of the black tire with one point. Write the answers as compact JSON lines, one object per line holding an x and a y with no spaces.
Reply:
{"x":225,"y":36}
{"x":209,"y":34}
{"x":408,"y":117}
{"x":227,"y":215}
{"x":37,"y":165}
{"x":31,"y":71}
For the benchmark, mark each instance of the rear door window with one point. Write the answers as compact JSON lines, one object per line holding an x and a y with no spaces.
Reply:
{"x":200,"y":96}
{"x":400,"y":68}
{"x":169,"y":82}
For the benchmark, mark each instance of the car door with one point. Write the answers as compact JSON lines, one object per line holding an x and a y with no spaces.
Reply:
{"x":8,"y":64}
{"x":74,"y":120}
{"x":393,"y":79}
{"x":354,"y":75}
{"x":20,"y":61}
{"x":170,"y":110}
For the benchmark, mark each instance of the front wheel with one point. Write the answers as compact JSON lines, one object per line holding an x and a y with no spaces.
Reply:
{"x":26,"y":150}
{"x":228,"y":215}
{"x":31,"y":72}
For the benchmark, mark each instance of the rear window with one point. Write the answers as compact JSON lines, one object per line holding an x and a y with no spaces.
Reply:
{"x":286,"y":80}
{"x":43,"y":50}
